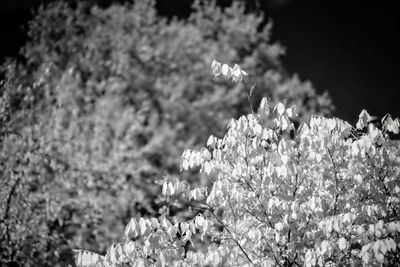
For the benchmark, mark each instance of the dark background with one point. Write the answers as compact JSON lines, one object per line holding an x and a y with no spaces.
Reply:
{"x":349,"y":48}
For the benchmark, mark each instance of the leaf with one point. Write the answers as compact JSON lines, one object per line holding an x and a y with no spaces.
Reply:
{"x":129,"y":249}
{"x":324,"y":247}
{"x":237,"y":75}
{"x":342,"y":243}
{"x":360,"y":230}
{"x":119,"y":251}
{"x":379,"y":258}
{"x":143,"y":226}
{"x":206,"y":154}
{"x":390,"y":125}
{"x":264,"y":103}
{"x":131,"y":230}
{"x":164,"y":191}
{"x":78,"y":257}
{"x":211,"y":141}
{"x":86,"y":259}
{"x":161,"y":258}
{"x":207,"y":167}
{"x":363,"y":119}
{"x":379,"y":225}
{"x":213,"y":258}
{"x":154,"y":241}
{"x":216,"y":68}
{"x":310,"y":259}
{"x":390,"y":244}
{"x":280,"y":108}
{"x":171,"y":189}
{"x":336,"y":225}
{"x":226,"y":71}
{"x":392,"y":226}
{"x":366,"y":257}
{"x":284,"y":123}
{"x":376,"y":246}
{"x":200,"y":222}
{"x":382,"y":247}
{"x":112,"y":255}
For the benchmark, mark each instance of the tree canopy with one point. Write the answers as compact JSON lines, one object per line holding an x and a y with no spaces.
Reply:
{"x":104,"y":104}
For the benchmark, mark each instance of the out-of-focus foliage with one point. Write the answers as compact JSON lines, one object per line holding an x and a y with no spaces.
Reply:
{"x":105,"y":104}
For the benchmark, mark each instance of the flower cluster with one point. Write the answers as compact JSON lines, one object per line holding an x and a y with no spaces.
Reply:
{"x":235,"y":73}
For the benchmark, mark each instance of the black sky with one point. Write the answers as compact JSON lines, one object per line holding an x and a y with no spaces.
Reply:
{"x":348,"y":48}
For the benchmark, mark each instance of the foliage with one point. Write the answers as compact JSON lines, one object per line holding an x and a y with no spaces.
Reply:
{"x":328,"y":195}
{"x":103,"y":106}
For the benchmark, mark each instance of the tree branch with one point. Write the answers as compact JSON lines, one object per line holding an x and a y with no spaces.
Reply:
{"x":229,"y":231}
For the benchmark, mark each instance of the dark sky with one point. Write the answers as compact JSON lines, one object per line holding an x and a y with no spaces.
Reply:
{"x":347,"y":47}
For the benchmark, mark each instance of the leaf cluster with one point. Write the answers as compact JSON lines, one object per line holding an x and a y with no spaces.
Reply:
{"x":103,"y":105}
{"x":324,"y":193}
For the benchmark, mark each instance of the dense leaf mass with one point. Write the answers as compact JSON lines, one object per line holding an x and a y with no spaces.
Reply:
{"x":327,"y":196}
{"x":103,"y":105}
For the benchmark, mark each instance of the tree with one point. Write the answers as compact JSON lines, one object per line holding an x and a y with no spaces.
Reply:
{"x":328,"y":196}
{"x":104,"y":105}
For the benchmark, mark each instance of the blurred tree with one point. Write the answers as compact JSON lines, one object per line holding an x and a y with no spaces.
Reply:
{"x":103,"y":106}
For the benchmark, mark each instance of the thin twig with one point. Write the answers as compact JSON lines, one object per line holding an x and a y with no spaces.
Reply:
{"x":248,"y":93}
{"x":336,"y":181}
{"x":227,"y":229}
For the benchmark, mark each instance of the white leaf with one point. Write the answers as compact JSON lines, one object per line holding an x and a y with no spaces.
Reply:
{"x":142,"y":225}
{"x":363,"y":119}
{"x":237,"y":75}
{"x":379,"y":258}
{"x":264,"y":103}
{"x":226,"y":71}
{"x":216,"y":67}
{"x":207,"y":167}
{"x":211,"y":141}
{"x":308,"y":261}
{"x":324,"y":247}
{"x":86,"y":259}
{"x":342,"y":243}
{"x":390,"y":244}
{"x":280,"y":108}
{"x":382,"y":247}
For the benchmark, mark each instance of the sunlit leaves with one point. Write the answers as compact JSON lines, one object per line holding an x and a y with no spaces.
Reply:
{"x":342,"y":243}
{"x":280,"y":108}
{"x":363,"y":119}
{"x":216,"y":68}
{"x":391,"y":125}
{"x":88,"y":259}
{"x":310,"y":258}
{"x":235,"y":73}
{"x":327,"y":193}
